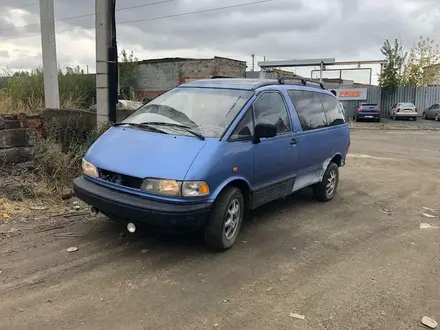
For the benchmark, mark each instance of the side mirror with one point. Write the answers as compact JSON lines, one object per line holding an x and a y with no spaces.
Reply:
{"x":264,"y":131}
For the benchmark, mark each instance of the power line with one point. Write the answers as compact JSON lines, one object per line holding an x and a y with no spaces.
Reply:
{"x":91,"y":14}
{"x":159,"y":17}
{"x":23,"y":6}
{"x":196,"y":12}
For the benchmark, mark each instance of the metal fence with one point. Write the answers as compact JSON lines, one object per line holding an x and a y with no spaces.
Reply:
{"x":427,"y":96}
{"x":422,"y":97}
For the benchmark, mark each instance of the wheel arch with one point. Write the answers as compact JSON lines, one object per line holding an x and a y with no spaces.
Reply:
{"x":337,"y":159}
{"x":240,"y":183}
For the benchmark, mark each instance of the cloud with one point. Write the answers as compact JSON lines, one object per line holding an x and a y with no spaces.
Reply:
{"x":280,"y":29}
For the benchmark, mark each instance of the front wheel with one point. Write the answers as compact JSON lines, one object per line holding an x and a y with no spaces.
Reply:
{"x":225,"y":221}
{"x":326,"y":189}
{"x":425,"y":116}
{"x":437,"y":118}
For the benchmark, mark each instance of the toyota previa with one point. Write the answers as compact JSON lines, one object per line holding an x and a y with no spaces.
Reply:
{"x":203,"y":154}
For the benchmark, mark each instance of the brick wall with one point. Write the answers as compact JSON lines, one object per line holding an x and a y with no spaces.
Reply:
{"x":155,"y":77}
{"x":18,"y":134}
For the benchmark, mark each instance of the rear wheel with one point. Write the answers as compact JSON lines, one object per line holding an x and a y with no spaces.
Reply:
{"x":225,"y":221}
{"x":394,"y":117}
{"x":326,"y":189}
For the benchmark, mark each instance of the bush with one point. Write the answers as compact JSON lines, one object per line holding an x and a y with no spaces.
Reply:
{"x":24,"y":91}
{"x":58,"y":157}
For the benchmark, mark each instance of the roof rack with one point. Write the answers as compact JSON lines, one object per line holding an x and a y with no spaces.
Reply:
{"x":302,"y":81}
{"x":220,"y":77}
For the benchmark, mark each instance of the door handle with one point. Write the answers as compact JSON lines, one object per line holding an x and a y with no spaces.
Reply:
{"x":294,"y":141}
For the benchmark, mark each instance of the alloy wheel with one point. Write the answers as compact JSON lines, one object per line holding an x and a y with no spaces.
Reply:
{"x":232,"y":220}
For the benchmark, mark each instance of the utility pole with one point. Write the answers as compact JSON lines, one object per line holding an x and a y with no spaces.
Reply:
{"x":103,"y":41}
{"x":253,"y":62}
{"x":113,"y":64}
{"x":106,"y":62}
{"x":49,"y":52}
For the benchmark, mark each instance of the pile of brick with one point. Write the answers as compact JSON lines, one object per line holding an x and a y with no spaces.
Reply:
{"x":18,"y":135}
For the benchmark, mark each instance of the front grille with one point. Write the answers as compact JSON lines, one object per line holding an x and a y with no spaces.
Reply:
{"x":120,"y":179}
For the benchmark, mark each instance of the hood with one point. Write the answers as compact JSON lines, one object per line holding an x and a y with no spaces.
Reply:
{"x":144,"y":154}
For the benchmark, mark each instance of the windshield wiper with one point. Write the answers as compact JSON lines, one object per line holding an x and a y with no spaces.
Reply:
{"x":142,"y":125}
{"x":186,"y":128}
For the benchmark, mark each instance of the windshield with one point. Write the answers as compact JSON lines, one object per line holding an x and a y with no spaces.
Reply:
{"x":208,"y":111}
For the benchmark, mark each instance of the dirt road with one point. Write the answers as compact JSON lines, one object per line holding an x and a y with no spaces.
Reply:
{"x":343,"y":265}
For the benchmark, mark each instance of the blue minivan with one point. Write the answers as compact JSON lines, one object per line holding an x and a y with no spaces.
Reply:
{"x":204,"y":153}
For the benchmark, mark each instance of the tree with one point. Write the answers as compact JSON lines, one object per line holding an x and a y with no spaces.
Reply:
{"x":394,"y":57}
{"x":423,"y":63}
{"x":127,"y":73}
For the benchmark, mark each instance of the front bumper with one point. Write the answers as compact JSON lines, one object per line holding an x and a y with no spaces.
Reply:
{"x":130,"y":208}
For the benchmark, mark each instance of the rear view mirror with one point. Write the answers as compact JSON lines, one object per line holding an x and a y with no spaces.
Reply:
{"x":264,"y":131}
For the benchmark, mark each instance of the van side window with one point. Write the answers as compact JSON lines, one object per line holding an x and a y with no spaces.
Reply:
{"x":270,"y":109}
{"x":332,"y":110}
{"x":309,"y":108}
{"x":245,"y":129}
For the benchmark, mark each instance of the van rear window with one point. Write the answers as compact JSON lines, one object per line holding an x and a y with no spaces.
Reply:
{"x":332,"y":110}
{"x":309,"y":109}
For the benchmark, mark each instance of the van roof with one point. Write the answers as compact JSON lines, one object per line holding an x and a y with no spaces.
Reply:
{"x":235,"y":83}
{"x":250,"y":84}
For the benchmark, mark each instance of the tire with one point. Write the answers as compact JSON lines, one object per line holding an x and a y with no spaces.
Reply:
{"x":437,"y":117}
{"x":216,"y":234}
{"x":378,"y":120}
{"x":415,"y":118}
{"x":425,"y":116}
{"x":320,"y":191}
{"x":394,"y":117}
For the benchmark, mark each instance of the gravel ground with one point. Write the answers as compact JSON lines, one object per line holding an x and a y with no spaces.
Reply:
{"x":400,"y":124}
{"x":359,"y":262}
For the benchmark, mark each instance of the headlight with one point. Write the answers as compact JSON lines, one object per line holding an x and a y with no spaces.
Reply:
{"x":175,"y":188}
{"x":195,"y":188}
{"x":89,"y":169}
{"x":162,"y":187}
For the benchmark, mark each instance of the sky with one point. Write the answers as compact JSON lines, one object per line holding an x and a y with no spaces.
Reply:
{"x":275,"y":29}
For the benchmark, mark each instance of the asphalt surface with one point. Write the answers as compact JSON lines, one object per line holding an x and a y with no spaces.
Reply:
{"x":360,"y":261}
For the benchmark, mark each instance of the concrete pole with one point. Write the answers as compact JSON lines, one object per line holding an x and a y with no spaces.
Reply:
{"x":49,"y":52}
{"x":321,"y":68}
{"x":103,"y":30}
{"x":253,"y":62}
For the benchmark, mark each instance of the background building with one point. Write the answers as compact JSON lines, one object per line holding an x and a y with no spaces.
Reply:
{"x":156,"y":76}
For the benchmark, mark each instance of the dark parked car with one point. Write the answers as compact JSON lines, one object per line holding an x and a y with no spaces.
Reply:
{"x":433,"y":112}
{"x":367,"y":111}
